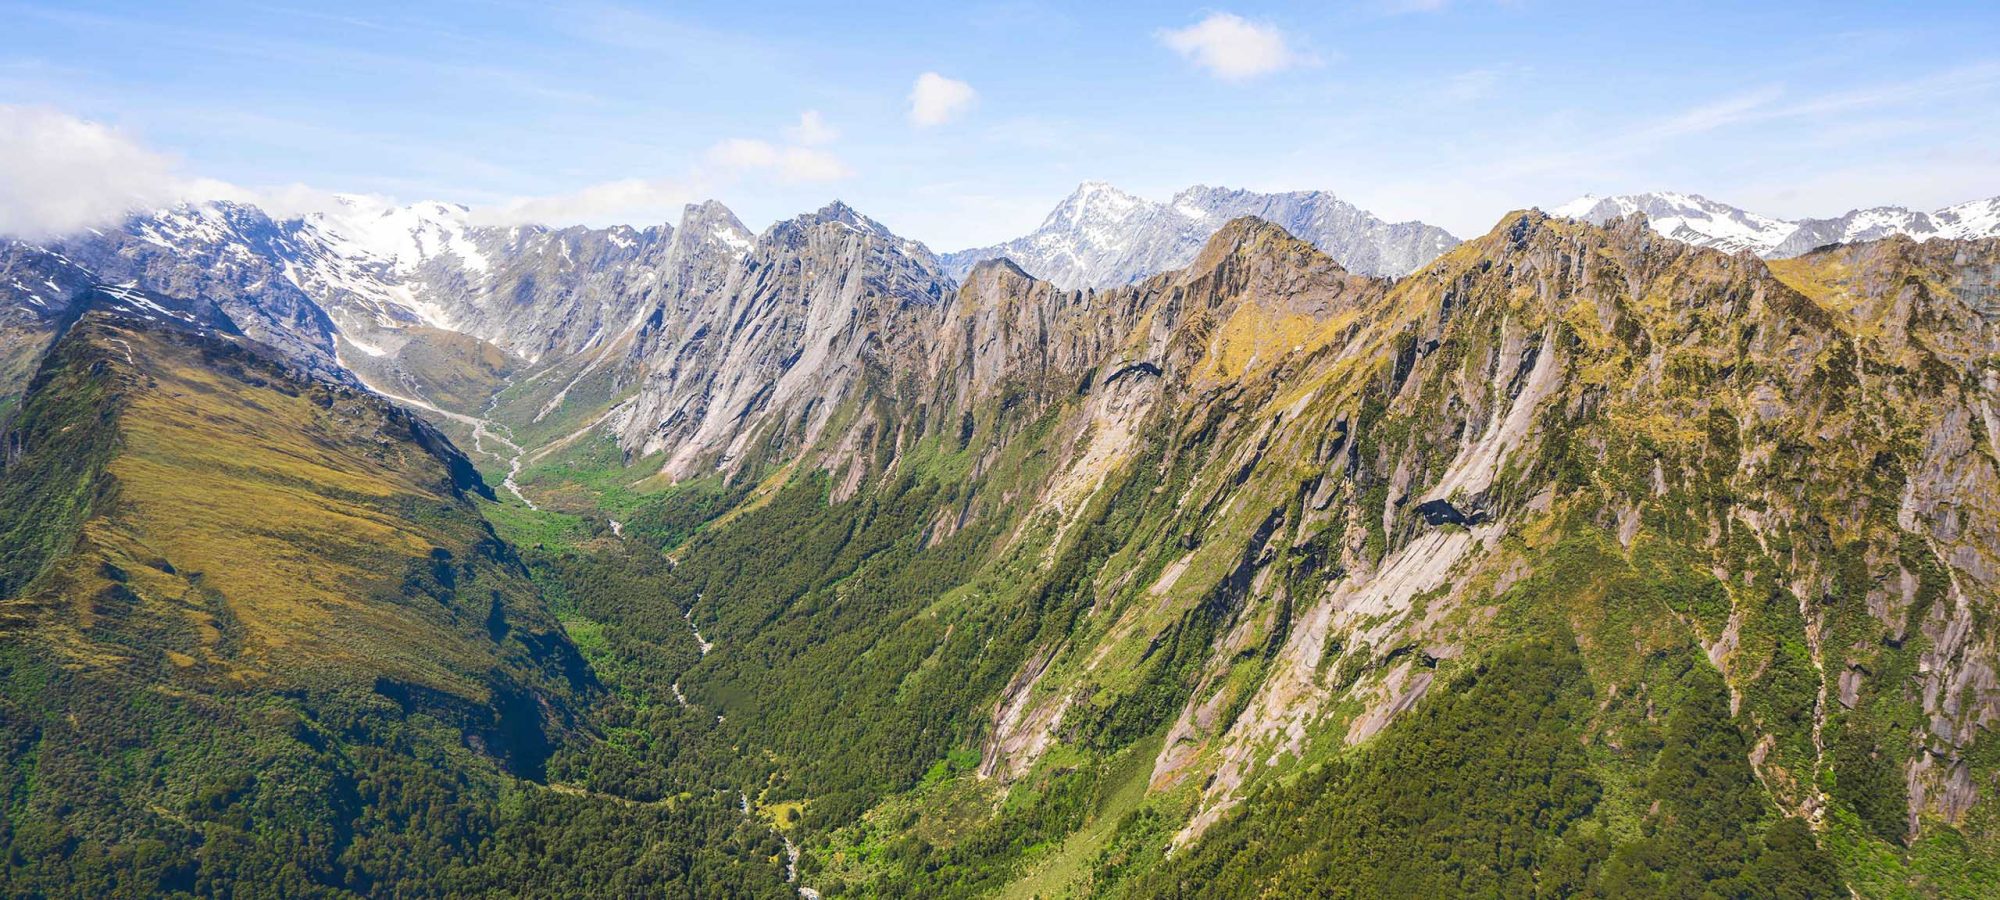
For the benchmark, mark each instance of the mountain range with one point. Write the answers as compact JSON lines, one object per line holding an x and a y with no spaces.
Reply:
{"x":377,"y":551}
{"x":1101,"y":236}
{"x":1697,"y":220}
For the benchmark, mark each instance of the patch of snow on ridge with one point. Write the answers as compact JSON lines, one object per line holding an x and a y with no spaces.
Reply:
{"x":1689,"y":218}
{"x":129,"y":293}
{"x":730,"y":237}
{"x":369,"y":349}
{"x":1980,"y":218}
{"x":1578,"y":208}
{"x":405,"y":237}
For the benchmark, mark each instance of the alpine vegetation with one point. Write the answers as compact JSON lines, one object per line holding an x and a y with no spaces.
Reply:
{"x":1244,"y":543}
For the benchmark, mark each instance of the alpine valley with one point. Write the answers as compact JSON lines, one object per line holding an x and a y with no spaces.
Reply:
{"x":1234,"y":545}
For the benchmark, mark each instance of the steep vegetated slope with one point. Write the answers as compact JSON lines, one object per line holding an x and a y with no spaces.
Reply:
{"x":1152,"y":551}
{"x":256,"y":639}
{"x":511,"y":338}
{"x":1579,"y":561}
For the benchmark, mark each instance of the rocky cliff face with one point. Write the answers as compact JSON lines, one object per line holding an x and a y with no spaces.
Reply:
{"x":231,"y":254}
{"x":1224,"y":523}
{"x":1653,"y":394}
{"x":38,"y":288}
{"x":1353,"y":237}
{"x":822,"y":312}
{"x":1783,"y":471}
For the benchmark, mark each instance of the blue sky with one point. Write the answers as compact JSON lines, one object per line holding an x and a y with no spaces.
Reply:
{"x":1451,"y":111}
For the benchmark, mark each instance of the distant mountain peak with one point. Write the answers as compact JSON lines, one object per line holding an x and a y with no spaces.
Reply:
{"x":839,"y":213}
{"x":997,"y":266}
{"x":1093,"y":200}
{"x":712,"y":221}
{"x":1102,"y":236}
{"x":1687,"y":217}
{"x":1694,"y":219}
{"x":1244,"y":238}
{"x":403,"y":236}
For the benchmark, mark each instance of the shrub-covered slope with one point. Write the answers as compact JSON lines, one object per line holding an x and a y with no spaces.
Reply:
{"x":256,"y":639}
{"x":1121,"y":561}
{"x":1579,"y":562}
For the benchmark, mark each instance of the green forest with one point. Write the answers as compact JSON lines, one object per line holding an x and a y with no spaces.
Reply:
{"x":1578,"y":566}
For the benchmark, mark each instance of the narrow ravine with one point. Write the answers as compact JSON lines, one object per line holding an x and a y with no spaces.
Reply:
{"x":699,"y":641}
{"x":792,"y":852}
{"x":482,"y":429}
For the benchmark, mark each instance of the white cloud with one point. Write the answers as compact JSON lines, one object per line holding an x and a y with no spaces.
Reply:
{"x":626,"y":200}
{"x":793,"y":164}
{"x":284,"y":201}
{"x":812,"y":130}
{"x":1233,"y":48}
{"x":726,"y":163}
{"x":60,"y":174}
{"x":936,"y":99}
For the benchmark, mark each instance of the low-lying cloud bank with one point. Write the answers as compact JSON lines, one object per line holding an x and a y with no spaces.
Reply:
{"x":60,"y":174}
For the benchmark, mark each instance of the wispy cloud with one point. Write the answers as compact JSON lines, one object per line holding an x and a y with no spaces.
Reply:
{"x":1763,"y":105}
{"x":935,"y":100}
{"x":1233,"y":48}
{"x":1776,"y":145}
{"x":625,"y":200}
{"x":790,"y":164}
{"x":802,"y":160}
{"x":812,"y":130}
{"x":60,"y":174}
{"x":671,"y":40}
{"x":450,"y":56}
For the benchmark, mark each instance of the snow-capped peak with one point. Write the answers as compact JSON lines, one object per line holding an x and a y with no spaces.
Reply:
{"x":1578,"y":208}
{"x":1697,"y":220}
{"x":405,"y":237}
{"x":1094,"y":203}
{"x":1100,"y":236}
{"x":1980,"y":218}
{"x":1689,"y":218}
